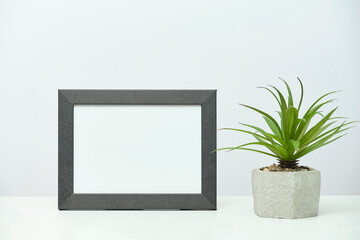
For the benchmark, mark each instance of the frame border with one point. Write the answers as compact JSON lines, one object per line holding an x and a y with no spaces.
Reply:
{"x":68,"y":200}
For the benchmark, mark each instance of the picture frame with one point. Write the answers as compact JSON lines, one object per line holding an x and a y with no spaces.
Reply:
{"x":71,"y":153}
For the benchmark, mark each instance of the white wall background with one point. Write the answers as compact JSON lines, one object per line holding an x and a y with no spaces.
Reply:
{"x":233,"y":46}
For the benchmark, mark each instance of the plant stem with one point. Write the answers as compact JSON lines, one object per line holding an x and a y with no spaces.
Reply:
{"x":288,"y":164}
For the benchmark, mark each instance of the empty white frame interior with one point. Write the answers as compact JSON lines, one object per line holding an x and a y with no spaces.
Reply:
{"x":137,"y":149}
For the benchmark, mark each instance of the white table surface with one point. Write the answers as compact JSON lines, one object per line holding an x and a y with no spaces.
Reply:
{"x":38,"y":218}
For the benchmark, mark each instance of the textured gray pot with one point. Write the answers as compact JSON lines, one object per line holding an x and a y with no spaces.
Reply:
{"x":286,"y":194}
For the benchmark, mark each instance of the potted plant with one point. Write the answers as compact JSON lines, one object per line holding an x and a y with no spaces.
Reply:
{"x":286,"y":189}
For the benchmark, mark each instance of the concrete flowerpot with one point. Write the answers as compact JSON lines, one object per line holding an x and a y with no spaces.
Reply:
{"x":286,"y":194}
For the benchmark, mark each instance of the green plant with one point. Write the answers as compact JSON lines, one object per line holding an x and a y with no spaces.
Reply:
{"x":292,"y":137}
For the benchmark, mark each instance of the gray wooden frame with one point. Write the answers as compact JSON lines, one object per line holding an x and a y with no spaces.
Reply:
{"x":67,"y":200}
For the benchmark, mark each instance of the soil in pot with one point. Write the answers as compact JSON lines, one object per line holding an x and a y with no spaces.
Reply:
{"x":278,"y":168}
